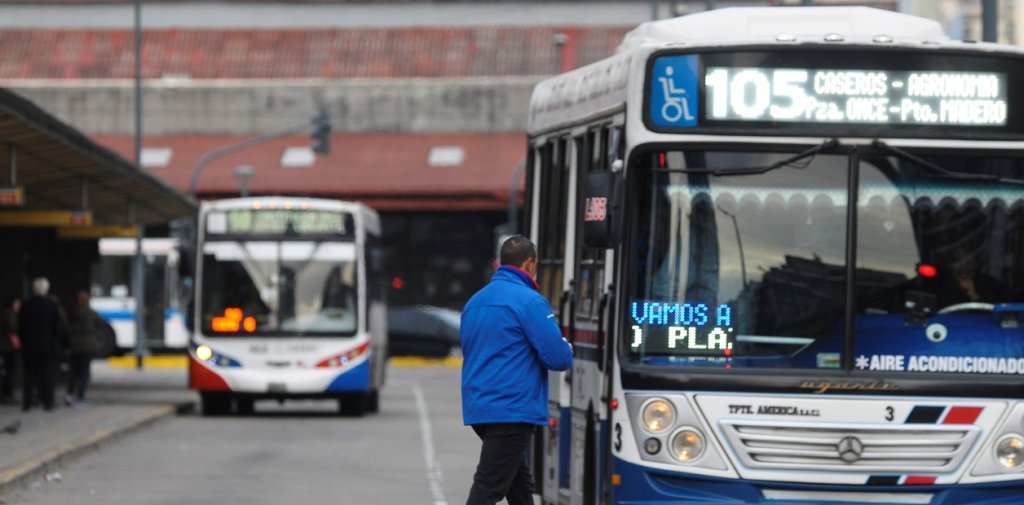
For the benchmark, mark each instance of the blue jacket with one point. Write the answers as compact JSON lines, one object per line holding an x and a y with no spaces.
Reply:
{"x":510,"y":339}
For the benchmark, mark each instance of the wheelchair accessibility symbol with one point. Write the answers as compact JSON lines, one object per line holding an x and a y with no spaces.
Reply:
{"x":674,"y":91}
{"x":676,"y":106}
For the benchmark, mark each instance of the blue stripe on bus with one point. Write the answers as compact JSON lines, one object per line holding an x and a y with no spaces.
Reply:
{"x":925,"y":414}
{"x":111,"y":315}
{"x":354,"y":379}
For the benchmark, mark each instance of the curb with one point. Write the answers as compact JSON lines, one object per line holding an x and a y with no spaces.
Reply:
{"x":180,"y":362}
{"x":417,"y":362}
{"x":23,"y":474}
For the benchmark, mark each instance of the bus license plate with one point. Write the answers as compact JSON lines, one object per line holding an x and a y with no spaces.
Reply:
{"x":277,"y":387}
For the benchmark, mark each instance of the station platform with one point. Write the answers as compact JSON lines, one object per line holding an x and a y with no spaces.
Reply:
{"x":35,"y":445}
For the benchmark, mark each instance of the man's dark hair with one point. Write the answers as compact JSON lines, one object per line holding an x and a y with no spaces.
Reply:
{"x":516,"y":250}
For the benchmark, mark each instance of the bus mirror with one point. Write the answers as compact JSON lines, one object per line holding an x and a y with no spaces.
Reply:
{"x":601,"y":204}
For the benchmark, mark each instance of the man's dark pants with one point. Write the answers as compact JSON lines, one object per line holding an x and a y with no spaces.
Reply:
{"x":39,"y":374}
{"x":503,"y":471}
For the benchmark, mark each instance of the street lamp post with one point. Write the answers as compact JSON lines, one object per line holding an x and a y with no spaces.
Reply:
{"x":243,"y":174}
{"x":140,"y":266}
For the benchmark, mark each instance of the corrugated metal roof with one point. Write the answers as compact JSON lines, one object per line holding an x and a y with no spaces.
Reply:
{"x":385,"y":171}
{"x":319,"y":53}
{"x":54,"y":161}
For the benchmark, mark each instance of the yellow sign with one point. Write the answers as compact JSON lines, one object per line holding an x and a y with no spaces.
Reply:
{"x":41,"y":218}
{"x":97,"y":231}
{"x":12,"y":196}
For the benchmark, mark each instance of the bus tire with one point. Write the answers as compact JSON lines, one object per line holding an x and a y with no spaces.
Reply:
{"x":245,"y":406}
{"x":214,"y":404}
{"x":373,"y":401}
{"x":353,"y":405}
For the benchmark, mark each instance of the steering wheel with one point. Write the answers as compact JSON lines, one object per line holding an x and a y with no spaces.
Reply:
{"x":967,"y":306}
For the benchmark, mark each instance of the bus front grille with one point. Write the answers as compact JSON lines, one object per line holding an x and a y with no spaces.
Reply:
{"x":832,"y":447}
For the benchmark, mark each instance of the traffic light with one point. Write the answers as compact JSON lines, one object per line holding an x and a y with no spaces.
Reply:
{"x":321,"y":135}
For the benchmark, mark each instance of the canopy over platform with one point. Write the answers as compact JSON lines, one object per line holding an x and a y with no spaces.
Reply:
{"x":56,"y":168}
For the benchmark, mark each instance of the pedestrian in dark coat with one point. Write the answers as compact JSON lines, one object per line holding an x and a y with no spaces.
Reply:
{"x":10,"y":349}
{"x":83,"y":346}
{"x":43,"y":334}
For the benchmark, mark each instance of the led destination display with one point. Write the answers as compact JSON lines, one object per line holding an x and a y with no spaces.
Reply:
{"x":855,"y":96}
{"x":681,"y":328}
{"x":280,"y":222}
{"x":846,"y":93}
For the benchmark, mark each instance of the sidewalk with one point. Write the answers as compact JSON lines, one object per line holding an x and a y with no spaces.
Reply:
{"x":35,"y":445}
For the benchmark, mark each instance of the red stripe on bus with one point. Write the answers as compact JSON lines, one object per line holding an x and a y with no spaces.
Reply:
{"x":586,"y":337}
{"x":919,"y":480}
{"x":962,"y":415}
{"x":204,"y":379}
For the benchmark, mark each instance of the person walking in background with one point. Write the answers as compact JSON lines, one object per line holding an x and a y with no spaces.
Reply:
{"x":510,"y":339}
{"x":82,"y":346}
{"x":10,"y":345}
{"x":43,"y":333}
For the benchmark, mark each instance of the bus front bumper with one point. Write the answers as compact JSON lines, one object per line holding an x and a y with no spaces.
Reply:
{"x":640,"y":485}
{"x":272,"y":383}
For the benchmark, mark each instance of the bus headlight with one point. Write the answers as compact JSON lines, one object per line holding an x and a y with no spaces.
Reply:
{"x":687,"y":444}
{"x":652,"y":446}
{"x":1010,"y":451}
{"x":657,"y":415}
{"x":204,"y":352}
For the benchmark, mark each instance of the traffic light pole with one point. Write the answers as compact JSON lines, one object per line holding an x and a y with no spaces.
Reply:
{"x":317,"y":122}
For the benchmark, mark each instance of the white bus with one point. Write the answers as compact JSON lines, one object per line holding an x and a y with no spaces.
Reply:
{"x":287,"y":304}
{"x":788,"y":247}
{"x":112,"y":296}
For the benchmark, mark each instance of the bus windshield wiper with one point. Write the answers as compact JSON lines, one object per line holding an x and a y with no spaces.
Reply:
{"x":941,"y":171}
{"x":754,"y":170}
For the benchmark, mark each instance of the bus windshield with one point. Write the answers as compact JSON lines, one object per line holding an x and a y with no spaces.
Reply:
{"x":279,"y":288}
{"x":751,"y":271}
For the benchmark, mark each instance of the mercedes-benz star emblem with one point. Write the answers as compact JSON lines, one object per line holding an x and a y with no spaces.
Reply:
{"x":850,"y":449}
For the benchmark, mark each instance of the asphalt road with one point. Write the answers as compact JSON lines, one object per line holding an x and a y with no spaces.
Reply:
{"x":415,"y":451}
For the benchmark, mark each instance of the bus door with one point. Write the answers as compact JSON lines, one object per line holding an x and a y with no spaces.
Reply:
{"x":596,"y":151}
{"x":549,"y":230}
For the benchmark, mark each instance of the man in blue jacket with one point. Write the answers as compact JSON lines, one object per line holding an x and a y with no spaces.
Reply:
{"x":510,"y":339}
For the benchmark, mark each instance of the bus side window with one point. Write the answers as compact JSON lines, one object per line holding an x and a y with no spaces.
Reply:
{"x":553,"y":172}
{"x":532,"y":161}
{"x":377,"y":282}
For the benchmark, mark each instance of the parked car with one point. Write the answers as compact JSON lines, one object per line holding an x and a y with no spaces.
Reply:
{"x":423,"y":330}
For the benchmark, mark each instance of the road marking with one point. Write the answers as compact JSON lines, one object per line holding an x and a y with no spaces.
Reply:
{"x":433,"y":466}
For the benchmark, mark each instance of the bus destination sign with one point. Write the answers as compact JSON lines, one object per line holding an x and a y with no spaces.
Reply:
{"x":856,"y":96}
{"x":279,"y":222}
{"x":804,"y":91}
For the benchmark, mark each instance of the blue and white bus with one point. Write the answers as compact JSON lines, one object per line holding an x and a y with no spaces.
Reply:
{"x":113,"y":299}
{"x":788,"y":247}
{"x":287,"y":304}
